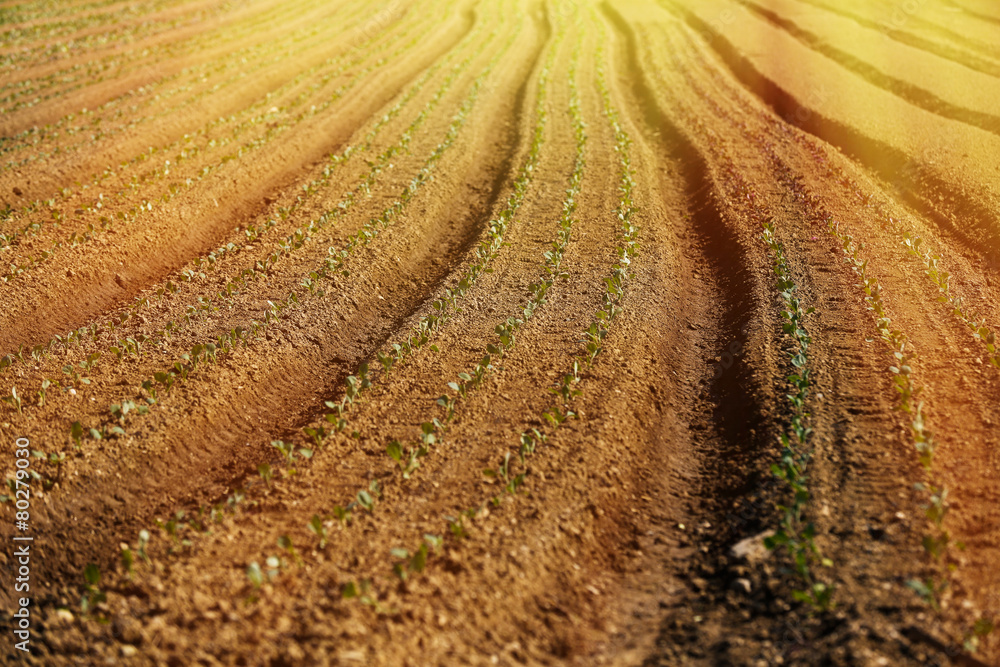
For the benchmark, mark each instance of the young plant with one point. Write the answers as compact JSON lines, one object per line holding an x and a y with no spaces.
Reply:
{"x":93,"y":596}
{"x":143,"y":543}
{"x":556,"y":417}
{"x":289,"y":451}
{"x":42,"y":395}
{"x":529,"y":442}
{"x":342,"y":515}
{"x":285,"y":543}
{"x":264,"y":470}
{"x":317,"y":434}
{"x":13,"y":400}
{"x":457,"y":527}
{"x":128,"y":560}
{"x":408,"y":458}
{"x":317,"y":526}
{"x":366,"y":501}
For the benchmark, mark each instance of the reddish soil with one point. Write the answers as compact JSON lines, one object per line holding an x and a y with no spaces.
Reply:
{"x":251,"y":249}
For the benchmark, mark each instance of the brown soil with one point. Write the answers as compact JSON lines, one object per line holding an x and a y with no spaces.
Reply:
{"x":307,"y":187}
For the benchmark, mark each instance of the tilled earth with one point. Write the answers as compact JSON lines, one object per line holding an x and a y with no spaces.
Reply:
{"x":451,"y":333}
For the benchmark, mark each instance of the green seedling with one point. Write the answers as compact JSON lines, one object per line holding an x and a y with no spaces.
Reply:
{"x":54,"y":458}
{"x":285,"y":543}
{"x":91,"y":362}
{"x":406,"y":457}
{"x":566,"y":389}
{"x":415,"y":563}
{"x":556,"y":417}
{"x":317,"y":434}
{"x":235,"y":498}
{"x":502,"y":472}
{"x":120,"y":410}
{"x":337,"y":418}
{"x":928,"y":590}
{"x":128,"y":560}
{"x":342,"y":515}
{"x":289,"y":451}
{"x":317,"y":526}
{"x":457,"y":526}
{"x":428,"y":432}
{"x":151,"y":390}
{"x":42,"y":395}
{"x":93,"y":596}
{"x":14,"y":400}
{"x":362,"y":592}
{"x":387,"y":361}
{"x":143,"y":543}
{"x":595,"y":336}
{"x":982,"y":628}
{"x":448,"y":403}
{"x":529,"y":442}
{"x":366,"y":501}
{"x":256,"y":576}
{"x":172,"y":528}
{"x":264,"y":470}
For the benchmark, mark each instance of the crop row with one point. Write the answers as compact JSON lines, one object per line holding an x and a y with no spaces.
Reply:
{"x":368,"y":497}
{"x":795,"y":533}
{"x":135,"y":346}
{"x":915,"y":247}
{"x":937,"y":540}
{"x":38,"y":84}
{"x":407,"y":456}
{"x":114,"y":124}
{"x":44,"y":9}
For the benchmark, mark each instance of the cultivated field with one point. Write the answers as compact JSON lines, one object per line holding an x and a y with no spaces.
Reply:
{"x":501,"y":332}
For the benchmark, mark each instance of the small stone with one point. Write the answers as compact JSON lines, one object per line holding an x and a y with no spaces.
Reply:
{"x":351,"y":656}
{"x":752,"y":549}
{"x":128,"y":630}
{"x":120,"y":280}
{"x":743,"y":585}
{"x":201,"y":602}
{"x":283,"y":624}
{"x":18,"y":191}
{"x":129,"y":651}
